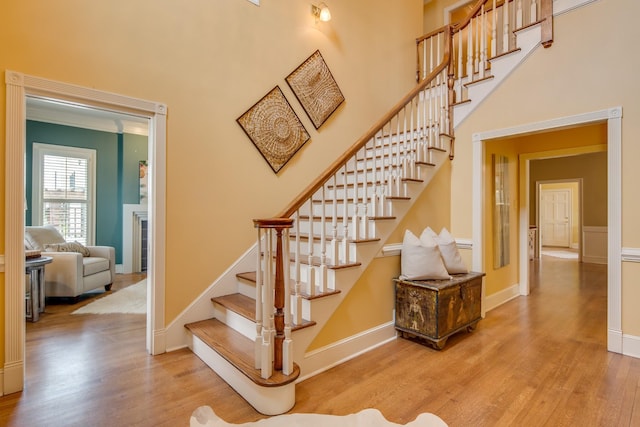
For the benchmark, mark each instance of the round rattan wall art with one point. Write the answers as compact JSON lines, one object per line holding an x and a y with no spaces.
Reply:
{"x":274,"y":128}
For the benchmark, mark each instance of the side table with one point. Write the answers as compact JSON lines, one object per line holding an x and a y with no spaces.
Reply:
{"x":35,"y":300}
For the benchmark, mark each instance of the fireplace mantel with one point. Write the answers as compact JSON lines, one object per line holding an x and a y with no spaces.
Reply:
{"x":132,"y":216}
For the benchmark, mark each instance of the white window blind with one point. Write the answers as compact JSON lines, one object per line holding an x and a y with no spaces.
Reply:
{"x":63,"y":180}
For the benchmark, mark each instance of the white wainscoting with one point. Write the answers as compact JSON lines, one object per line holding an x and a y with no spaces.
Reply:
{"x":594,"y":244}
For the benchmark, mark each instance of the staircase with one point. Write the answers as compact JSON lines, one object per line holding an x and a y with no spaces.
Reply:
{"x":260,"y":321}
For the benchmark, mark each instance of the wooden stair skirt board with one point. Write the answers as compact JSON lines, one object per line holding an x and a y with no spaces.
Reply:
{"x":230,"y":355}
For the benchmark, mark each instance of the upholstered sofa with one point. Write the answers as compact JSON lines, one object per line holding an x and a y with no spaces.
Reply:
{"x":75,"y":269}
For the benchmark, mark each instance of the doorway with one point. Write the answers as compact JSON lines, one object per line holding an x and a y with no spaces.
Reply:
{"x":613,"y":119}
{"x":18,"y":88}
{"x":559,"y":215}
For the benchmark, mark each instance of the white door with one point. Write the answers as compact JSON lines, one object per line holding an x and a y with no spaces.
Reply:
{"x":555,"y":214}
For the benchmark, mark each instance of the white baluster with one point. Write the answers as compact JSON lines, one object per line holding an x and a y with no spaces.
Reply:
{"x":259,"y":293}
{"x":446,"y":108}
{"x":335,"y":245}
{"x":311,"y":276}
{"x":287,"y":345}
{"x":460,"y":64}
{"x":322,"y":270}
{"x":381,"y":176}
{"x":425,"y":141}
{"x":355,"y":223}
{"x":424,"y":59}
{"x":505,"y":27}
{"x":477,"y":35}
{"x":345,"y":217}
{"x":470,"y":51}
{"x":297,"y":306}
{"x":430,"y":54}
{"x":418,"y":127}
{"x":534,"y":12}
{"x":483,"y":42}
{"x":365,"y":197}
{"x":519,"y":15}
{"x":494,"y":31}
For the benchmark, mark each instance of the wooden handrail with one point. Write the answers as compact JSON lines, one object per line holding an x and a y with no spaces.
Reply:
{"x":333,"y":168}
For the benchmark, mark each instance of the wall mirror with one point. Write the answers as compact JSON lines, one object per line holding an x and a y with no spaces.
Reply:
{"x":500,"y":211}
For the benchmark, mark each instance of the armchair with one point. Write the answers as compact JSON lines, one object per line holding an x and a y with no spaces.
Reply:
{"x":71,"y":273}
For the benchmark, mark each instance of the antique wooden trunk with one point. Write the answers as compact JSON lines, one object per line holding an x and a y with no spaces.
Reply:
{"x":436,"y":309}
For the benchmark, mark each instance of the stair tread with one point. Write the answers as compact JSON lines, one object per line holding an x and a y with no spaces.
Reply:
{"x":238,"y":350}
{"x":480,"y":80}
{"x":251,"y":277}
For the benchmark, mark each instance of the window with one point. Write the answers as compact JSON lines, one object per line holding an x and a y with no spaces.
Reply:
{"x":63,"y":189}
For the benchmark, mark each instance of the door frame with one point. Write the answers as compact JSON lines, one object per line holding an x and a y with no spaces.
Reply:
{"x":18,"y":87}
{"x":539,"y":185}
{"x":613,"y":118}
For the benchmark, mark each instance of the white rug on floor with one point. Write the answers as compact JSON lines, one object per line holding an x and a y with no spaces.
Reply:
{"x":132,"y":299}
{"x":205,"y":417}
{"x":561,"y":254}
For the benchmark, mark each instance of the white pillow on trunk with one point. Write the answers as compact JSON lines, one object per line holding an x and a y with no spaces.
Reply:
{"x":448,"y":249}
{"x":420,"y":259}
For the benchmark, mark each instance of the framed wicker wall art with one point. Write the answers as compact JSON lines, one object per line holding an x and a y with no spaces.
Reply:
{"x":316,"y":90}
{"x":274,"y":128}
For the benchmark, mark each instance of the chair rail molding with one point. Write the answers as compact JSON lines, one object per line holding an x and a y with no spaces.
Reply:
{"x":631,"y":254}
{"x":395,"y":249}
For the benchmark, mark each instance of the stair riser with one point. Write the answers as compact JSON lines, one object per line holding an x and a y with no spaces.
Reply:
{"x":235,"y":321}
{"x":266,"y":400}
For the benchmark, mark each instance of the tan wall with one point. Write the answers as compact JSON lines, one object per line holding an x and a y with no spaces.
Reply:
{"x":561,"y":81}
{"x":592,"y":168}
{"x":209,"y":61}
{"x":434,"y":12}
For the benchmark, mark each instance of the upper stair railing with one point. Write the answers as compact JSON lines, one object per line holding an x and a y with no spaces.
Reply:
{"x":487,"y":32}
{"x":339,"y":208}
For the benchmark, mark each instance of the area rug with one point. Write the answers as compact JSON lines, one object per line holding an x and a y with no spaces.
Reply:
{"x":132,"y":299}
{"x":205,"y":417}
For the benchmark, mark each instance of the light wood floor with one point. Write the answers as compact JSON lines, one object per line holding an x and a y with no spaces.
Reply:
{"x":537,"y":360}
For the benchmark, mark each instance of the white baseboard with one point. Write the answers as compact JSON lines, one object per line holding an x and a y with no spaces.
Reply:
{"x":119,"y":269}
{"x":1,"y":382}
{"x":13,"y":377}
{"x":614,"y":341}
{"x":630,"y":346}
{"x":495,"y":300}
{"x":324,"y":358}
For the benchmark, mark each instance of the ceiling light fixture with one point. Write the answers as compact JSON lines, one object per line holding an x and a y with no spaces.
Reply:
{"x":321,"y":12}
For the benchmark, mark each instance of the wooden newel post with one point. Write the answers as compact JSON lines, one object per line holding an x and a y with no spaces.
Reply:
{"x":278,"y":302}
{"x":278,"y":293}
{"x":451,"y":91}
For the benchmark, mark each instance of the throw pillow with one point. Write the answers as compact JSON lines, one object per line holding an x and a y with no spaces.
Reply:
{"x":449,"y":250}
{"x":68,"y":247}
{"x":421,"y":260}
{"x":39,"y":236}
